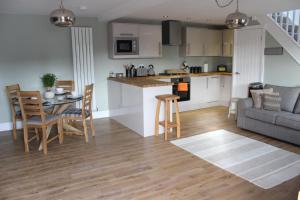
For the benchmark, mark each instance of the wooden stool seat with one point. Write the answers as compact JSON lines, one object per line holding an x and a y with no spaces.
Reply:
{"x":167,"y":123}
{"x":165,"y":97}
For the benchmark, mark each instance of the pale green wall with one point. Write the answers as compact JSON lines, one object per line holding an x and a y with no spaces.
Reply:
{"x":30,"y":46}
{"x":281,"y":69}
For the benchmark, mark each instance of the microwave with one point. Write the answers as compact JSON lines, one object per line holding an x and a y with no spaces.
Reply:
{"x":126,"y":46}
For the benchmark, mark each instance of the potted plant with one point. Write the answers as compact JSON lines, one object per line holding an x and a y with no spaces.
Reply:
{"x":49,"y":82}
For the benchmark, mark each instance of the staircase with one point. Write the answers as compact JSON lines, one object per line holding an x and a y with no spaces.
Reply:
{"x":285,"y":28}
{"x":289,"y":22}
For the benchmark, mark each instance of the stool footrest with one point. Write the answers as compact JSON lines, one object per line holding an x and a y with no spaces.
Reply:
{"x":170,"y":124}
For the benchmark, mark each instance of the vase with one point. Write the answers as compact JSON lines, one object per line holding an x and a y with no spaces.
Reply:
{"x":49,"y":94}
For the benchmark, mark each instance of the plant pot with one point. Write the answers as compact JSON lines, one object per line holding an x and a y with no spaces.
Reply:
{"x":49,"y":95}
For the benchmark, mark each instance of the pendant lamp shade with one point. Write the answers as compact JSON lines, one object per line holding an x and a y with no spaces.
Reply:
{"x":62,"y":17}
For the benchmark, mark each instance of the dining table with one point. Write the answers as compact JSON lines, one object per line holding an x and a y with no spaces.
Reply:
{"x":57,"y":106}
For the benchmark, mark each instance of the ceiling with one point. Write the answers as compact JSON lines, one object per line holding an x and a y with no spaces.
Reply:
{"x":202,"y":11}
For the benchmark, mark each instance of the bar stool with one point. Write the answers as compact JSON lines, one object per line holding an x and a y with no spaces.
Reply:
{"x":167,"y":124}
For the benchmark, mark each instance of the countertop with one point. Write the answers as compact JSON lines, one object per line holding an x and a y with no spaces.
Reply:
{"x":153,"y":81}
{"x":141,"y":82}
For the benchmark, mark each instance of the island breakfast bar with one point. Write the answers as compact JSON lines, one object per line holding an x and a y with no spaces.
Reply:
{"x":132,"y":102}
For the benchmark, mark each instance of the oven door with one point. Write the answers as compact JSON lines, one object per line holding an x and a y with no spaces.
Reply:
{"x":182,"y":88}
{"x":126,"y":46}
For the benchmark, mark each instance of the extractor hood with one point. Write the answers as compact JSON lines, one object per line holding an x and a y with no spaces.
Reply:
{"x":171,"y":33}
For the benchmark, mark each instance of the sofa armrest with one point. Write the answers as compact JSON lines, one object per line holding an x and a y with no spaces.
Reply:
{"x":243,"y":105}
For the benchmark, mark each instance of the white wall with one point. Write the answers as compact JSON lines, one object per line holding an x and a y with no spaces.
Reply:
{"x":30,"y":47}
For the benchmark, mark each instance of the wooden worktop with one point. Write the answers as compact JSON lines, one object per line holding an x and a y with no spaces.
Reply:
{"x":141,"y":82}
{"x":153,"y":81}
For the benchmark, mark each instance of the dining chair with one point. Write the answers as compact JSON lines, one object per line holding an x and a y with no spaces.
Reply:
{"x":34,"y":117}
{"x":81,"y":114}
{"x":67,"y":85}
{"x":11,"y":91}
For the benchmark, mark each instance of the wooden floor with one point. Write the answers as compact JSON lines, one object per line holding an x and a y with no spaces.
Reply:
{"x":119,"y":164}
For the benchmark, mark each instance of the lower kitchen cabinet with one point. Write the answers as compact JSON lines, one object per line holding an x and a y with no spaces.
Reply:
{"x":213,"y":88}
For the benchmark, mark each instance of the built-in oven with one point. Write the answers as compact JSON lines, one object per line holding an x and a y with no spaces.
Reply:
{"x":126,"y":46}
{"x":182,"y":88}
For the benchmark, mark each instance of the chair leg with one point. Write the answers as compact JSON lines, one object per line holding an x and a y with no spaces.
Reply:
{"x":44,"y":132}
{"x":60,"y":131}
{"x":14,"y":127}
{"x":177,"y":118}
{"x":167,"y":118}
{"x":25,"y":130}
{"x":85,"y":131}
{"x":36,"y":130}
{"x":157,"y":117}
{"x":92,"y":125}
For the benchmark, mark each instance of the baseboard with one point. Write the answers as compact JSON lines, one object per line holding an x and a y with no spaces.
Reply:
{"x":7,"y":126}
{"x":101,"y":114}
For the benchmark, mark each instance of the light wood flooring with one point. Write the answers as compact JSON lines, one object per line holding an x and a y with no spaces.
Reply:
{"x":119,"y":164}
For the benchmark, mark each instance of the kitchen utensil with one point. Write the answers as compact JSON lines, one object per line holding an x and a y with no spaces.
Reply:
{"x":119,"y":75}
{"x":151,"y":71}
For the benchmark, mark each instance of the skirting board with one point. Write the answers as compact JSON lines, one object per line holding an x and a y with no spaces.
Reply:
{"x":7,"y":126}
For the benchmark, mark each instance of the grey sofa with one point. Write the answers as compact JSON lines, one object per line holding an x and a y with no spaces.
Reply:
{"x":283,"y":125}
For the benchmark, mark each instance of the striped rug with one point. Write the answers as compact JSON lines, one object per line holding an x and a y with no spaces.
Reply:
{"x":261,"y":164}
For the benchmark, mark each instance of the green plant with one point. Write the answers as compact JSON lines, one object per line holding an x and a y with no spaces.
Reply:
{"x":48,"y":80}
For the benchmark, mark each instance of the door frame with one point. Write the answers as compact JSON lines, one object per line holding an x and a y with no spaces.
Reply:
{"x":234,"y":60}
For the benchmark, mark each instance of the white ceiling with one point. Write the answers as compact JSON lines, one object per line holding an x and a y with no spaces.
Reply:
{"x":205,"y":11}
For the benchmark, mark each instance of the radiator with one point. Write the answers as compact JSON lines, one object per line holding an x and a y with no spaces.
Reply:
{"x":83,"y":59}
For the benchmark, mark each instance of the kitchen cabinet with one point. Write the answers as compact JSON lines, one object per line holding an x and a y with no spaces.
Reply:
{"x":225,"y":86}
{"x":213,"y":42}
{"x":213,"y":88}
{"x":199,"y":90}
{"x":194,"y":42}
{"x":150,"y":41}
{"x":227,"y":43}
{"x":202,"y":42}
{"x":124,"y":30}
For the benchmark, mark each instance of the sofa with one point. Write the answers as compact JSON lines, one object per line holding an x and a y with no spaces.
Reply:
{"x":283,"y":125}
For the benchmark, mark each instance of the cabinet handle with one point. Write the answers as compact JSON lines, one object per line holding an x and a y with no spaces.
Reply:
{"x":126,"y":34}
{"x":206,"y":83}
{"x":215,"y":77}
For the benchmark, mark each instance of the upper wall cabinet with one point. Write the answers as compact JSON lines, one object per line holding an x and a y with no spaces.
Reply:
{"x":150,"y":38}
{"x":147,"y":40}
{"x":125,"y":30}
{"x":227,"y":43}
{"x":202,"y":42}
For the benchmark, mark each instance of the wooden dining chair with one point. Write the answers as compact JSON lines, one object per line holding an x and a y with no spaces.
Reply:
{"x":12,"y":94}
{"x":77,"y":114}
{"x":67,"y":85}
{"x":34,"y":117}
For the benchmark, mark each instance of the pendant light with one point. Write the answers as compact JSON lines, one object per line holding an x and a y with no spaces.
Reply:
{"x":62,"y":17}
{"x":237,"y":19}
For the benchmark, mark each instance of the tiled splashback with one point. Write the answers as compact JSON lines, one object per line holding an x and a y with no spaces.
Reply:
{"x":172,"y":60}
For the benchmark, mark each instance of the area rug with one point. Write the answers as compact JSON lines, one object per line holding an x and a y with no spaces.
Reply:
{"x":261,"y":164}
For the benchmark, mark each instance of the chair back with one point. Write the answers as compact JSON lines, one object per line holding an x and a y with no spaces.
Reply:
{"x":31,"y":105}
{"x":12,"y":94}
{"x":87,"y":100}
{"x":67,"y":85}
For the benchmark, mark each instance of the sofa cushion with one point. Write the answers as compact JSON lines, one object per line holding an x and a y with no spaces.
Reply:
{"x":289,"y":96}
{"x":257,"y":96}
{"x":271,"y":102}
{"x":288,"y":120}
{"x":262,"y":115}
{"x":297,"y":106}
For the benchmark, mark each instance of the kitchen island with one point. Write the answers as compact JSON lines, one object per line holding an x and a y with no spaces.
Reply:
{"x":132,"y":102}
